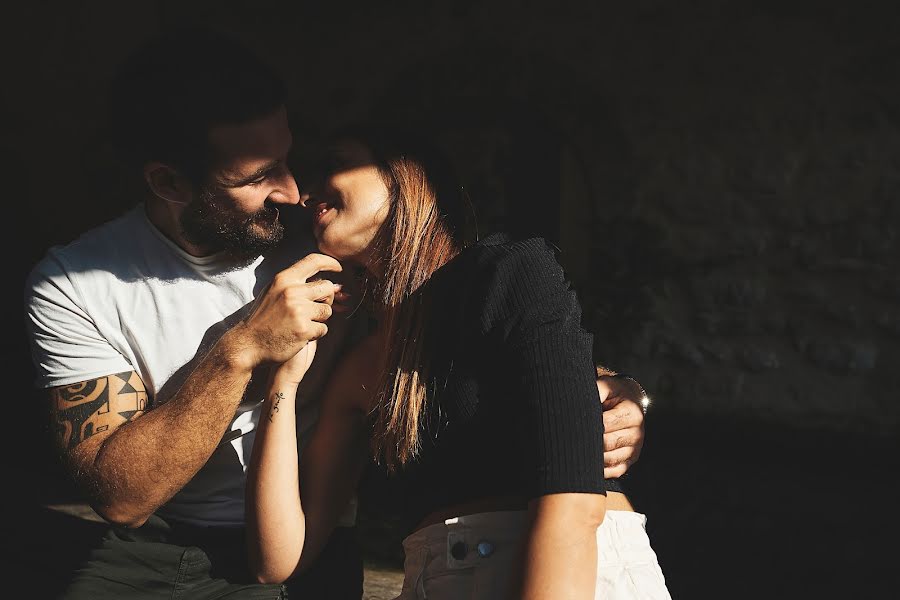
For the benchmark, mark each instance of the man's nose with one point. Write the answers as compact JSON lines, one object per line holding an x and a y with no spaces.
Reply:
{"x":287,"y":192}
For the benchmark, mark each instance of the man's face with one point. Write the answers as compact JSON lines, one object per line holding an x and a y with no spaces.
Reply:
{"x":237,"y":209}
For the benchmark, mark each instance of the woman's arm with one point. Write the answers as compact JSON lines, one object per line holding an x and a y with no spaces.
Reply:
{"x":285,"y":536}
{"x":560,"y":556}
{"x":535,"y":316}
{"x":276,"y":527}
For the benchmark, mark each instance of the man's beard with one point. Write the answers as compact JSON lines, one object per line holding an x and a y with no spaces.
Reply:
{"x":214,"y":223}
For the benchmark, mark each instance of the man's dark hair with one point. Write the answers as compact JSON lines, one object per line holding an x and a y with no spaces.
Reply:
{"x":169,"y":93}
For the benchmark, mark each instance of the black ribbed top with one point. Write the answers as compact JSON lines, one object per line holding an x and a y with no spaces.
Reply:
{"x":514,"y":409}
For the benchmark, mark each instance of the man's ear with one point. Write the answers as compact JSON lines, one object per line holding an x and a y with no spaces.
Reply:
{"x":167,"y":184}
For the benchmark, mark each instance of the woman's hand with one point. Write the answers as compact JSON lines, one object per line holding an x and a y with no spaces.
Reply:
{"x":291,"y":372}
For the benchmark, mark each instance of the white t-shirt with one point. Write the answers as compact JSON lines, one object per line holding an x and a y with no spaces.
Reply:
{"x":124,"y":297}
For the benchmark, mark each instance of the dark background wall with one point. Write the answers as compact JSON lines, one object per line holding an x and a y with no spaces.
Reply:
{"x":721,"y":177}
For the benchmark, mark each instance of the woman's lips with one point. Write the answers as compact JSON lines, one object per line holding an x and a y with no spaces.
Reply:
{"x":321,"y":212}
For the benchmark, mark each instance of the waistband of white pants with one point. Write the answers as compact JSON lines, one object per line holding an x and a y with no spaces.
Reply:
{"x":510,"y":526}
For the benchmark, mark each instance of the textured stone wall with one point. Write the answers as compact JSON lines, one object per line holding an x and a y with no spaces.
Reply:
{"x":721,"y":177}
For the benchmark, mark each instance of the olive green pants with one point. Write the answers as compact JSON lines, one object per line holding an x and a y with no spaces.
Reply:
{"x":181,"y":562}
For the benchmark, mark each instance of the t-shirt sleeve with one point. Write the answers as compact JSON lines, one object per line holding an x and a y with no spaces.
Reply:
{"x":537,"y":318}
{"x":66,"y":346}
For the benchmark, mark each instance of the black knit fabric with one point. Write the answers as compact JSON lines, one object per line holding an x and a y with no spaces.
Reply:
{"x":514,"y":409}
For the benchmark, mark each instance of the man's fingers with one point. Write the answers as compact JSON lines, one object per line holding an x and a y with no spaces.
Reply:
{"x":320,"y":291}
{"x":620,"y":388}
{"x":615,"y":472}
{"x":621,"y":457}
{"x":311,"y":264}
{"x":621,"y":439}
{"x":317,"y":330}
{"x":321,"y":312}
{"x":623,"y":415}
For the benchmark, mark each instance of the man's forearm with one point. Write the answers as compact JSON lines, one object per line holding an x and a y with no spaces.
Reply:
{"x":142,"y":464}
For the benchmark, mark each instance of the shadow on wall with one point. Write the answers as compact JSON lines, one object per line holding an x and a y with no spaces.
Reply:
{"x":698,"y":277}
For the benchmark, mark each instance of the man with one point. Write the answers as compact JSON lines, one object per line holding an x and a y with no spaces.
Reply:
{"x":152,"y":333}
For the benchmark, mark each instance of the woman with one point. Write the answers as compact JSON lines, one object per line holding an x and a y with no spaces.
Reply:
{"x":476,"y":385}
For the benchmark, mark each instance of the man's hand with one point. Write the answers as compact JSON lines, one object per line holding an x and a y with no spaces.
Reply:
{"x":291,"y":312}
{"x":623,"y":423}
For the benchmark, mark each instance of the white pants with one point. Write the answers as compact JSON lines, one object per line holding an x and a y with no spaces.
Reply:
{"x":471,"y":558}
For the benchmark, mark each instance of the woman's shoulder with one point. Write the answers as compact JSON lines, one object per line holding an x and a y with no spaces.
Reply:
{"x":501,"y":255}
{"x":501,"y":276}
{"x":498,"y":271}
{"x":501,"y":240}
{"x":509,"y":284}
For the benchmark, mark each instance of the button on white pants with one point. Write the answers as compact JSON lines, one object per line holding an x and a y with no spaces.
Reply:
{"x":473,"y":557}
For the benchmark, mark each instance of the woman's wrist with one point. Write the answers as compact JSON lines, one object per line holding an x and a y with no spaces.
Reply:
{"x":283,"y":382}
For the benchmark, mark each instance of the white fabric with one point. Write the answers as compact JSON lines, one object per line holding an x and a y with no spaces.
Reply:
{"x":124,"y":297}
{"x":627,"y":567}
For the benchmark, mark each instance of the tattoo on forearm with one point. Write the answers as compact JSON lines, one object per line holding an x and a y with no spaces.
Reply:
{"x":276,"y":400}
{"x":91,"y":407}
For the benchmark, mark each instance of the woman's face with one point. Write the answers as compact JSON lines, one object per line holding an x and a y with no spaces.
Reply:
{"x":349,"y":204}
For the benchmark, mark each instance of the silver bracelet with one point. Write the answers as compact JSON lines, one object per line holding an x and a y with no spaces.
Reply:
{"x":645,"y":399}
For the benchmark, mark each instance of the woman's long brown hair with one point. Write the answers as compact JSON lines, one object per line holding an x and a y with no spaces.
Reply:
{"x":419,"y":236}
